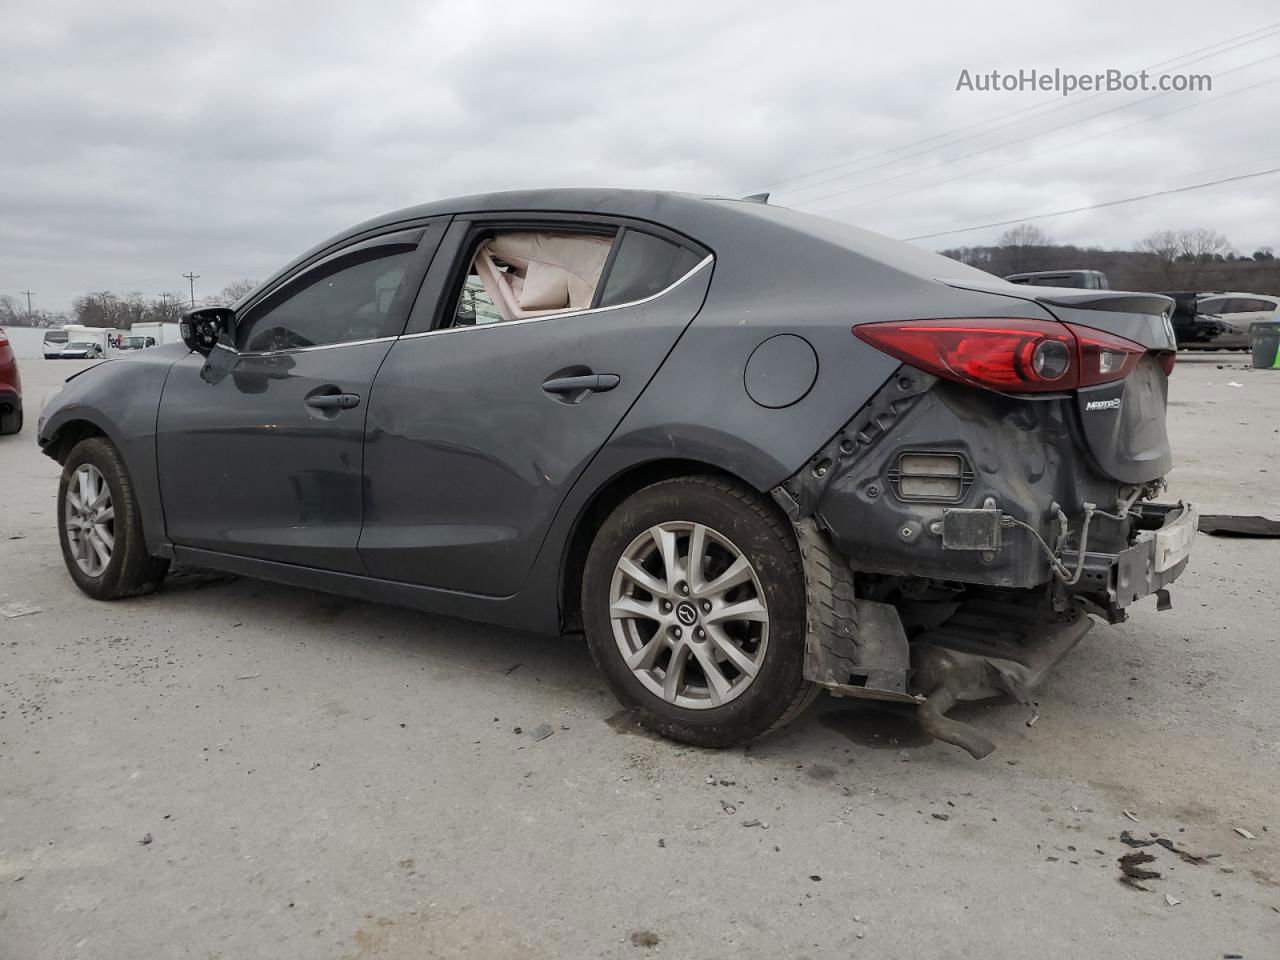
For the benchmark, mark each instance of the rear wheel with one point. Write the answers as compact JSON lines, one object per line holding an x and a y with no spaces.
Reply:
{"x":693,"y":601}
{"x":10,"y":421}
{"x":100,"y":527}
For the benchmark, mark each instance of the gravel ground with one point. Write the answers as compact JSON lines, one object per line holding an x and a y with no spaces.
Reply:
{"x":235,"y":769}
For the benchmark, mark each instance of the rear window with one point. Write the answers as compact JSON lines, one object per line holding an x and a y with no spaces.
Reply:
{"x":644,"y":265}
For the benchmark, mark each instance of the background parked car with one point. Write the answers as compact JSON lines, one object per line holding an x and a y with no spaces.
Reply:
{"x":1237,"y":313}
{"x":10,"y":388}
{"x":1080,"y":279}
{"x":81,"y":350}
{"x":135,"y":343}
{"x":54,"y":341}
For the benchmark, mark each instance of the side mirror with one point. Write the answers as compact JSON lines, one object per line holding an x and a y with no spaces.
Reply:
{"x":201,"y":329}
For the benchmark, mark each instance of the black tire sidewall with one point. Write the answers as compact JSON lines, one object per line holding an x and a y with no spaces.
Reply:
{"x":740,"y":514}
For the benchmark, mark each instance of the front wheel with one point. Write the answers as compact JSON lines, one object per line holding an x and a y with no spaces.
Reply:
{"x":693,"y":600}
{"x":99,"y":525}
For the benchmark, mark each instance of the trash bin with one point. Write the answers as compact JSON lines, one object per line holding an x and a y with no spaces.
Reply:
{"x":1264,"y":340}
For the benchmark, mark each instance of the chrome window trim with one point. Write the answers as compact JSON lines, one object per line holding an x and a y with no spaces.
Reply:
{"x":568,"y":313}
{"x":318,"y":346}
{"x":487,"y":326}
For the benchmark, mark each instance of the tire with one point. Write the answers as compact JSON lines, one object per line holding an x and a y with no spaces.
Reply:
{"x":128,"y":569}
{"x":10,"y":422}
{"x":627,"y":565}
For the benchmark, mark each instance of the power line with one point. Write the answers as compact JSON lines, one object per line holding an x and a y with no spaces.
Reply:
{"x":1097,"y":206}
{"x":1006,"y":143}
{"x":28,"y":293}
{"x":1053,"y":149}
{"x":1055,"y":104}
{"x":192,"y":277}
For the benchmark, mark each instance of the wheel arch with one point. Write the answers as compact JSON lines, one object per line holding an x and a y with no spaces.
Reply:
{"x":600,"y":505}
{"x":63,"y":438}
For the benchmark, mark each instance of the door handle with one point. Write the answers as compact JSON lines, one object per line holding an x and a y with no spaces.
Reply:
{"x":591,"y":383}
{"x":334,"y":401}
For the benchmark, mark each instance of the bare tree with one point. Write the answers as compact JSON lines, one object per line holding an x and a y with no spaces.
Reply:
{"x":1182,"y":255}
{"x":232,"y":292}
{"x":1021,"y":245}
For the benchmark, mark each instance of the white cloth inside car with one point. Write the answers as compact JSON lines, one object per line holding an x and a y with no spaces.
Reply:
{"x":547,"y":272}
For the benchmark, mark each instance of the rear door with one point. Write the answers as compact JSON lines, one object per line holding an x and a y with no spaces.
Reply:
{"x":481,"y":420}
{"x":263,"y":458}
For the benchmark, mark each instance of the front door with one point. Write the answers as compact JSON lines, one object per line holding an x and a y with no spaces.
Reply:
{"x":480,"y":424}
{"x":262,"y":457}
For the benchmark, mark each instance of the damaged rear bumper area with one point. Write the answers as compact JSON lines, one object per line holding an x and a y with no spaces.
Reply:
{"x":976,"y":581}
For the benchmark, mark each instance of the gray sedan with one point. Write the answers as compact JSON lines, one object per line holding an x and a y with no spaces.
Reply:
{"x":749,"y":453}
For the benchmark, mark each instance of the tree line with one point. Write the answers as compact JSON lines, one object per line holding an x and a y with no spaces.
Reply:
{"x":1196,"y":259}
{"x":105,"y":308}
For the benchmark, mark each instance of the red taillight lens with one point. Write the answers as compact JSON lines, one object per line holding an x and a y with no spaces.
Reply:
{"x":1167,"y":360}
{"x":999,"y":354}
{"x":1104,"y":357}
{"x":1008,"y":354}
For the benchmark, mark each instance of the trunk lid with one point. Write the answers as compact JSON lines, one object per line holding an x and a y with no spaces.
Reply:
{"x":1123,"y":422}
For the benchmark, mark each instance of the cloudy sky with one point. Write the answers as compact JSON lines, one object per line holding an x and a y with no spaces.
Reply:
{"x":145,"y":140}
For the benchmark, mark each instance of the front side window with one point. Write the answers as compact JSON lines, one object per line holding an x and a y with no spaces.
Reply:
{"x":351,"y":298}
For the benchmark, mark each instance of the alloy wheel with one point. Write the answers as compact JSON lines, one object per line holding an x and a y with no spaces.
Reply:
{"x":689,"y":615}
{"x":89,"y":520}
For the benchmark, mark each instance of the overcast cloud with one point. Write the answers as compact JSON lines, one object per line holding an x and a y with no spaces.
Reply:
{"x":145,"y":140}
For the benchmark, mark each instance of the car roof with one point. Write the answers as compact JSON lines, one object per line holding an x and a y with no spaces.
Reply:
{"x":744,"y":229}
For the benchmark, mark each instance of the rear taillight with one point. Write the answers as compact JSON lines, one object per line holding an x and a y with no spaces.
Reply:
{"x":1104,"y":357}
{"x":4,"y":340}
{"x":1007,"y":354}
{"x":1167,"y":360}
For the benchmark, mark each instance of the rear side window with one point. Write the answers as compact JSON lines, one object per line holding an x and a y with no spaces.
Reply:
{"x":644,"y":265}
{"x":524,"y":274}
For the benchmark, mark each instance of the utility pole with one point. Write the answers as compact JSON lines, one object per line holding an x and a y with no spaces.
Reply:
{"x":192,"y":277}
{"x":28,"y":293}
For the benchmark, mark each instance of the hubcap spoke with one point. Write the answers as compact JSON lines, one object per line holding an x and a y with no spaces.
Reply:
{"x":675,"y":671}
{"x":742,"y":610}
{"x":732,"y":652}
{"x":630,"y":607}
{"x":643,"y":578}
{"x":739,"y":572}
{"x":665,"y":540}
{"x":717,"y":683}
{"x":697,"y":556}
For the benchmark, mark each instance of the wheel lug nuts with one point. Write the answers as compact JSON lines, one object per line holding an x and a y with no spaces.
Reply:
{"x":684,"y":588}
{"x":677,"y":632}
{"x":706,"y":606}
{"x":666,"y":606}
{"x":701,"y":633}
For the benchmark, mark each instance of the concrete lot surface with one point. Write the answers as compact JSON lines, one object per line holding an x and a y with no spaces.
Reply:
{"x":232,"y":769}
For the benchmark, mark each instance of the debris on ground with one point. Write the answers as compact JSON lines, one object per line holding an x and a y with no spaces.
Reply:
{"x":1131,"y":815}
{"x":709,"y":780}
{"x":1227,"y":525}
{"x":1186,"y":855}
{"x":814,"y":877}
{"x":1244,"y":833}
{"x":728,"y":807}
{"x":248,"y":676}
{"x":940,"y":816}
{"x":756,"y":823}
{"x":146,"y":839}
{"x":542,"y":731}
{"x":517,"y":730}
{"x":1129,"y":840}
{"x":644,"y":938}
{"x":661,"y":842}
{"x":17,"y":608}
{"x":1171,"y":900}
{"x":1132,"y":871}
{"x":513,"y":668}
